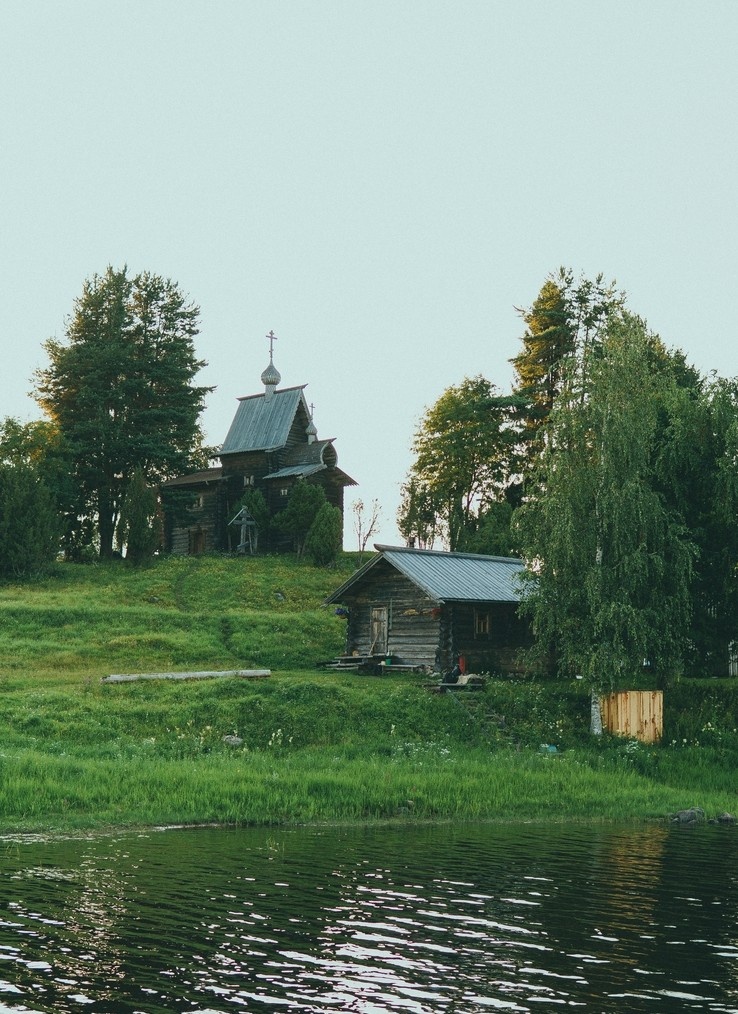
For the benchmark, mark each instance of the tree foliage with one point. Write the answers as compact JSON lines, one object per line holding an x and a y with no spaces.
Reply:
{"x":611,"y":555}
{"x":701,"y":479}
{"x":140,"y":525}
{"x":29,"y":521}
{"x":564,"y":329}
{"x":303,"y":503}
{"x":325,"y":537}
{"x":462,"y":449}
{"x":120,"y":390}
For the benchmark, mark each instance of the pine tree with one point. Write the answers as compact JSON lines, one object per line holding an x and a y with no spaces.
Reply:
{"x":564,"y":328}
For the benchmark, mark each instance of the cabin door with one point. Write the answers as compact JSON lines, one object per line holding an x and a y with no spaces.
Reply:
{"x":379,"y":629}
{"x":196,"y":542}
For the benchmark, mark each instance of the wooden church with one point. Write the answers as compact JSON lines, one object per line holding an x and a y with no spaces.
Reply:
{"x":271,"y":445}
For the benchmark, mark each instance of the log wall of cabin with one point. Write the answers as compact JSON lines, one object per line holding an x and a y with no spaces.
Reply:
{"x":413,"y":618}
{"x":422,"y":632}
{"x":199,"y":527}
{"x":494,"y":650}
{"x":205,"y":528}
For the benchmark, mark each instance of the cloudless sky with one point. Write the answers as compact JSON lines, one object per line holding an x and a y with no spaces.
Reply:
{"x":380,"y":182}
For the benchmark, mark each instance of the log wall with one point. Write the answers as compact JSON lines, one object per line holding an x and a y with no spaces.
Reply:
{"x":421,"y":632}
{"x":412,"y":617}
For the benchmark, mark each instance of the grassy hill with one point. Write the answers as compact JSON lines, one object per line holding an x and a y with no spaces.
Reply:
{"x":309,"y":745}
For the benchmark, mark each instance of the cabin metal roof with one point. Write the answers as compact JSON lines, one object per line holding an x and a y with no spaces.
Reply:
{"x":448,"y":577}
{"x":263,"y":423}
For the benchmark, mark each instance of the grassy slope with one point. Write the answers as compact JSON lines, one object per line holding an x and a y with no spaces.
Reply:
{"x":315,"y":745}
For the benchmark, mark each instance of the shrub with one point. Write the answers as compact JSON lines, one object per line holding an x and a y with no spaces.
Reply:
{"x":323,"y":542}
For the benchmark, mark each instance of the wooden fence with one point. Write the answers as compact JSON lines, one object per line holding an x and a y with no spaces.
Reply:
{"x":638,"y":714}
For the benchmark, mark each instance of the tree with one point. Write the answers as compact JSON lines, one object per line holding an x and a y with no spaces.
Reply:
{"x":39,"y":444}
{"x":120,"y":390}
{"x":325,"y":538}
{"x":701,"y":479}
{"x":29,"y":522}
{"x":140,"y":527}
{"x":462,"y":449}
{"x":365,"y":524}
{"x":303,"y":504}
{"x":564,"y":327}
{"x":548,"y":344}
{"x":493,"y":533}
{"x":611,"y":558}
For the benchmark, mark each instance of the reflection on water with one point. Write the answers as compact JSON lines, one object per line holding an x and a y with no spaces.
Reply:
{"x":445,"y":919}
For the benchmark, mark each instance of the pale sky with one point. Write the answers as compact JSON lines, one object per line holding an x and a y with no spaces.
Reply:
{"x":380,"y":182}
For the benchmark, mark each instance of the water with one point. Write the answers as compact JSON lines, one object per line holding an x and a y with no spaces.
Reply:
{"x":413,"y":921}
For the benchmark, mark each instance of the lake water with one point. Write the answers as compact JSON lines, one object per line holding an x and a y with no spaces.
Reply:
{"x":412,"y":920}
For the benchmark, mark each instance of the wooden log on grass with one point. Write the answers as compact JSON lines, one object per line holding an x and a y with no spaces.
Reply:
{"x":130,"y":677}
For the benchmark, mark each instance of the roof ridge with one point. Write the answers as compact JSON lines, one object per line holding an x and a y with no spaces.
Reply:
{"x":281,"y":390}
{"x":446,"y":552}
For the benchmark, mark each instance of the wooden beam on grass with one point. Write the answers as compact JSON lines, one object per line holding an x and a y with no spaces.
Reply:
{"x":130,"y":677}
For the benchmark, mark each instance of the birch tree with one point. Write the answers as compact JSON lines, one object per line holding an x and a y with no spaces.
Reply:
{"x":611,"y":560}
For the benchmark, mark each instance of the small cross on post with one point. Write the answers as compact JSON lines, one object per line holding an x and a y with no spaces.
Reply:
{"x":272,"y":338}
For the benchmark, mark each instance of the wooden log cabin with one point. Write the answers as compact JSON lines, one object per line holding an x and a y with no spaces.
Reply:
{"x":427,"y":608}
{"x":271,"y":445}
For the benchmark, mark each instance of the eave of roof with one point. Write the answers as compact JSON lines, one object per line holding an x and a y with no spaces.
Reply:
{"x":294,"y":470}
{"x":203,"y":478}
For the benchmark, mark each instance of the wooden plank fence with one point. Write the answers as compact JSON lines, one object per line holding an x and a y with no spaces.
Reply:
{"x":638,"y":714}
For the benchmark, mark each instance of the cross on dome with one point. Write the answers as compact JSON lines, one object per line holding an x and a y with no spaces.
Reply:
{"x":271,"y":375}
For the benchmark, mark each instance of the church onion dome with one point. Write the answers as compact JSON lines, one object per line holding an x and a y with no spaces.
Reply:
{"x":271,"y":375}
{"x":312,"y":431}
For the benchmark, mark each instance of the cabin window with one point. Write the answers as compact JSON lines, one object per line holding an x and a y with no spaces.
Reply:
{"x":284,"y":491}
{"x":481,"y":623}
{"x":248,"y":480}
{"x":198,"y":502}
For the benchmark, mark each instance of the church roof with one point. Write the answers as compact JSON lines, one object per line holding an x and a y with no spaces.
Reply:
{"x":263,"y":423}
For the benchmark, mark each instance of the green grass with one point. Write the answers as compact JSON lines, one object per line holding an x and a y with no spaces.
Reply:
{"x":315,"y":746}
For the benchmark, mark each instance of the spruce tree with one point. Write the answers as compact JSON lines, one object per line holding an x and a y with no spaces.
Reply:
{"x":120,"y":390}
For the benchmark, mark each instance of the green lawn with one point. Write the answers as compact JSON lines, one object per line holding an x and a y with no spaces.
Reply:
{"x":314,"y":745}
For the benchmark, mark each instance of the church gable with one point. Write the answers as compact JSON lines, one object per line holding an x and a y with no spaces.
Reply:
{"x":267,"y":424}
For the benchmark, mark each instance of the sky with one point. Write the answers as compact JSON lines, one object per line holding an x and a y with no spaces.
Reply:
{"x":382,"y":183}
